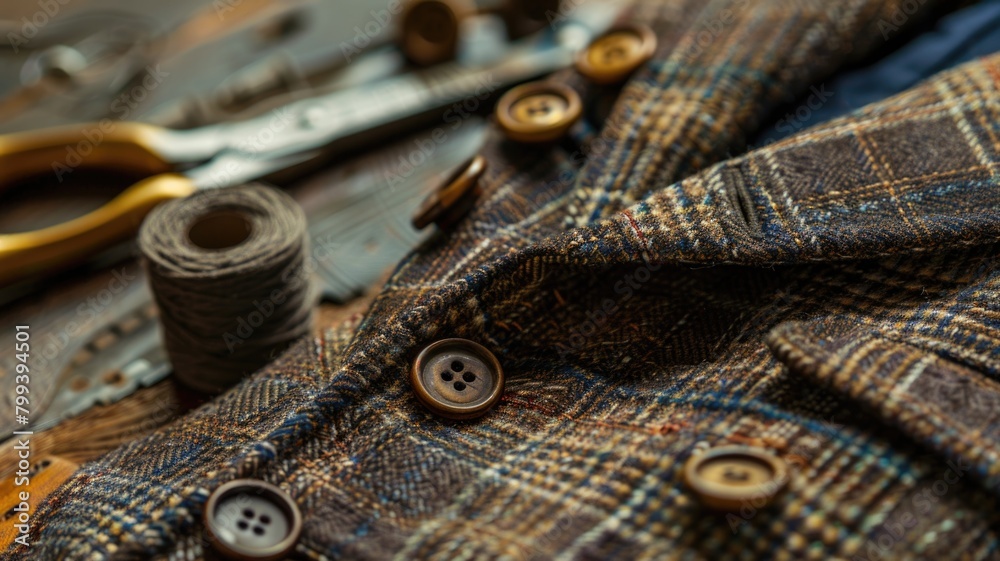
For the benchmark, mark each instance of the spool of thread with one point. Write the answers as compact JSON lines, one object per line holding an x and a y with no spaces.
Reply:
{"x":228,"y":270}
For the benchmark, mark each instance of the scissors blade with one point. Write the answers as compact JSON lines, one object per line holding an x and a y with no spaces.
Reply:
{"x":233,"y":168}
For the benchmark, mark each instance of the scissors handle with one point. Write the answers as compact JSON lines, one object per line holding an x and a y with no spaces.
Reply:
{"x":123,"y":147}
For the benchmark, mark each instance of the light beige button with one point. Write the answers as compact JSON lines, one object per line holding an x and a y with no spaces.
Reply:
{"x":454,"y":198}
{"x":538,"y":111}
{"x":610,"y":58}
{"x":247,"y":519}
{"x":430,"y":29}
{"x":457,"y":378}
{"x":728,"y":477}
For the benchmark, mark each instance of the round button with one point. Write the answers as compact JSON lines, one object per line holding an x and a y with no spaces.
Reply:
{"x":610,"y":58}
{"x":249,"y":519}
{"x":454,"y":198}
{"x":457,"y":378}
{"x":538,"y":112}
{"x":728,"y":477}
{"x":430,"y":29}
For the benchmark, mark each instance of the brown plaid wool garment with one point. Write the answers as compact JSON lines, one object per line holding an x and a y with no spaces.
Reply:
{"x":833,"y":298}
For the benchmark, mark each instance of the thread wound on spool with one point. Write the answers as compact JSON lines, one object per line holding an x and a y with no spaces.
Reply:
{"x":228,"y":270}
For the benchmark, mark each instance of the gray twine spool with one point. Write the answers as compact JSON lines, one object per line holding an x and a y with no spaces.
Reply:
{"x":228,"y":270}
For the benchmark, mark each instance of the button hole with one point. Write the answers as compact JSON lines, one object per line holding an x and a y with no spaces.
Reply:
{"x":736,"y":474}
{"x":459,"y":386}
{"x":742,"y":201}
{"x":457,"y":366}
{"x":469,"y":377}
{"x":248,"y":513}
{"x":258,"y":530}
{"x":265,"y":519}
{"x":242,"y":525}
{"x":614,"y":52}
{"x":447,"y":376}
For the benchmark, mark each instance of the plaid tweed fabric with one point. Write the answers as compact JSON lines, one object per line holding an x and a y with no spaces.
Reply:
{"x":834,"y":297}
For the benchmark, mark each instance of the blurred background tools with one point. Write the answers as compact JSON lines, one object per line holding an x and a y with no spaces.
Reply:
{"x":315,"y":67}
{"x":230,"y":274}
{"x":77,"y":61}
{"x":432,"y":30}
{"x":168,"y":163}
{"x":230,"y":59}
{"x":97,"y":335}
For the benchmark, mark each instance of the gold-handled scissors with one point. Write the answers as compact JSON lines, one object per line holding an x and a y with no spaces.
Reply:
{"x":177,"y":163}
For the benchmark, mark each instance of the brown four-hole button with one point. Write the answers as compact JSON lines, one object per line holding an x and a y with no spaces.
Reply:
{"x":727,"y":477}
{"x":247,"y":519}
{"x":538,"y":111}
{"x":610,"y":58}
{"x":457,"y":378}
{"x":454,"y":198}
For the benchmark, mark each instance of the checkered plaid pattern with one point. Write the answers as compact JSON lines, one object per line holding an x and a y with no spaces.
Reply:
{"x":834,"y":298}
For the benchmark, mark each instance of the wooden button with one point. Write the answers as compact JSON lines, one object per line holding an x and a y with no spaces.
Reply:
{"x":729,"y":477}
{"x":454,"y":198}
{"x":610,"y":58}
{"x":247,"y":519}
{"x":538,"y":111}
{"x":457,"y":379}
{"x":430,"y":29}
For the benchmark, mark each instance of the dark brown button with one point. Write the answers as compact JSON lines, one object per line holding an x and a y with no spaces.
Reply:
{"x":454,"y":198}
{"x":538,"y":111}
{"x":430,"y":29}
{"x":247,"y":519}
{"x":610,"y":58}
{"x":728,"y":477}
{"x":457,"y":378}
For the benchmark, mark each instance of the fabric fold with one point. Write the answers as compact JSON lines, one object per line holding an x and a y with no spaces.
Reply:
{"x":916,"y":173}
{"x":941,"y":404}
